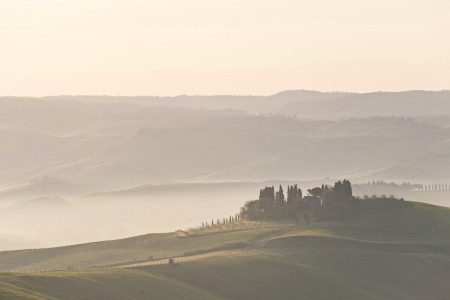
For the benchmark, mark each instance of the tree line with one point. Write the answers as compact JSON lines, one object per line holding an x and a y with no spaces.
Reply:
{"x":381,"y":187}
{"x":436,"y":186}
{"x":273,"y":203}
{"x":232,"y":218}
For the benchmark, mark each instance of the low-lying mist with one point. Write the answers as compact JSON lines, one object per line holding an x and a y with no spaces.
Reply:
{"x":52,"y":221}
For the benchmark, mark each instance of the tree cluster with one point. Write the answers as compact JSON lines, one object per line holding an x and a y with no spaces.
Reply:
{"x":269,"y":199}
{"x":341,"y":192}
{"x":273,"y":204}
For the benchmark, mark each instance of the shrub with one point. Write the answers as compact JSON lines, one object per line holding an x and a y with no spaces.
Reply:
{"x":251,"y":210}
{"x":171,"y":261}
{"x":150,"y":258}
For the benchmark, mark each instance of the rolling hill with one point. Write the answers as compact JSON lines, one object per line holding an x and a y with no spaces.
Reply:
{"x":191,"y":155}
{"x":409,"y":103}
{"x":302,"y":274}
{"x":383,"y":221}
{"x":393,"y":250}
{"x":13,"y":242}
{"x":107,"y":146}
{"x":251,"y":104}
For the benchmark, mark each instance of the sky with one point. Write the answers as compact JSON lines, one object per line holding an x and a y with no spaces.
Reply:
{"x":205,"y":47}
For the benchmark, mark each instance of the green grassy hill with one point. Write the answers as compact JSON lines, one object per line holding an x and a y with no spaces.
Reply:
{"x":392,"y":250}
{"x":307,"y":273}
{"x":159,"y":245}
{"x":384,"y":224}
{"x":385,"y":221}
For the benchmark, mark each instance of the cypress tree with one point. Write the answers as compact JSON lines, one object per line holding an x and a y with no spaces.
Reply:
{"x":338,"y":190}
{"x":290,"y":196}
{"x":280,"y":200}
{"x":347,"y":189}
{"x":267,"y":198}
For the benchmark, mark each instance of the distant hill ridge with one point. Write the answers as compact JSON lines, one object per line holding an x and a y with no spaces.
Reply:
{"x":251,"y":104}
{"x":297,"y":102}
{"x":410,"y":103}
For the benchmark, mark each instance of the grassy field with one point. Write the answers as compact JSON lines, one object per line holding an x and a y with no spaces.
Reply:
{"x":288,"y":273}
{"x":138,"y":248}
{"x":384,"y":223}
{"x":392,"y":250}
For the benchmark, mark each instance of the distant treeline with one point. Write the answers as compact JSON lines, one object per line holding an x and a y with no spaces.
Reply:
{"x":436,"y":186}
{"x":381,"y":187}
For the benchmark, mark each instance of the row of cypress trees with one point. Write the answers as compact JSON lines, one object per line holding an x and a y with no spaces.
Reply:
{"x":236,"y":217}
{"x":434,"y":187}
{"x":269,"y":198}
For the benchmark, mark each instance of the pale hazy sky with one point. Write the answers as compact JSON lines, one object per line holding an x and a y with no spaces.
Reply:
{"x":171,"y":47}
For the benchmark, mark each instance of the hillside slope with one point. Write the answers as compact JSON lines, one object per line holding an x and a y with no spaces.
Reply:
{"x":121,"y":145}
{"x":389,"y":222}
{"x":299,"y":275}
{"x":392,"y":250}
